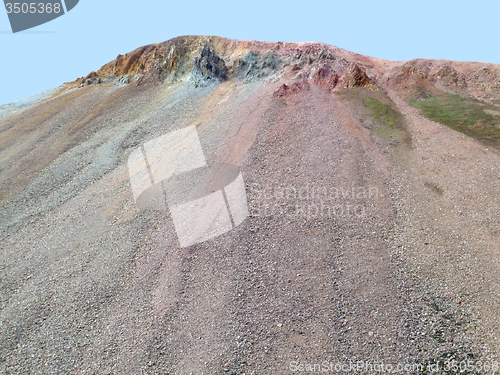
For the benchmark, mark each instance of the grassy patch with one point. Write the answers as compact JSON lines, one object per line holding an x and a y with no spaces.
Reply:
{"x":464,"y":115}
{"x":381,"y":111}
{"x":376,"y":112}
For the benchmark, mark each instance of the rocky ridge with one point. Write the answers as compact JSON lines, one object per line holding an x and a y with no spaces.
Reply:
{"x":213,"y":59}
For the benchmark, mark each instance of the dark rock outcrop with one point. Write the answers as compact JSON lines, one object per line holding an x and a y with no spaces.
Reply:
{"x":209,"y":67}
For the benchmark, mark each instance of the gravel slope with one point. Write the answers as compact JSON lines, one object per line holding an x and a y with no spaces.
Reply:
{"x":397,"y":263}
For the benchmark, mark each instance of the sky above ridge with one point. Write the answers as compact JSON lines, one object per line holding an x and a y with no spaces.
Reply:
{"x":95,"y":32}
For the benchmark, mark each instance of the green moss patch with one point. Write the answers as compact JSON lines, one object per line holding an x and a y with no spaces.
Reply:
{"x":381,"y":111}
{"x":376,"y":112}
{"x":466,"y":115}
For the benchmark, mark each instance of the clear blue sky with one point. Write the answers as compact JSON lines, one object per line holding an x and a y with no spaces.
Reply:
{"x":95,"y":32}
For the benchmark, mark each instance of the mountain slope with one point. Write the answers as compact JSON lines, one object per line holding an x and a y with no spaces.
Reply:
{"x":372,"y":231}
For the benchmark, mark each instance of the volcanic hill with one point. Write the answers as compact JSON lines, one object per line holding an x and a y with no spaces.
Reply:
{"x":372,"y":232}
